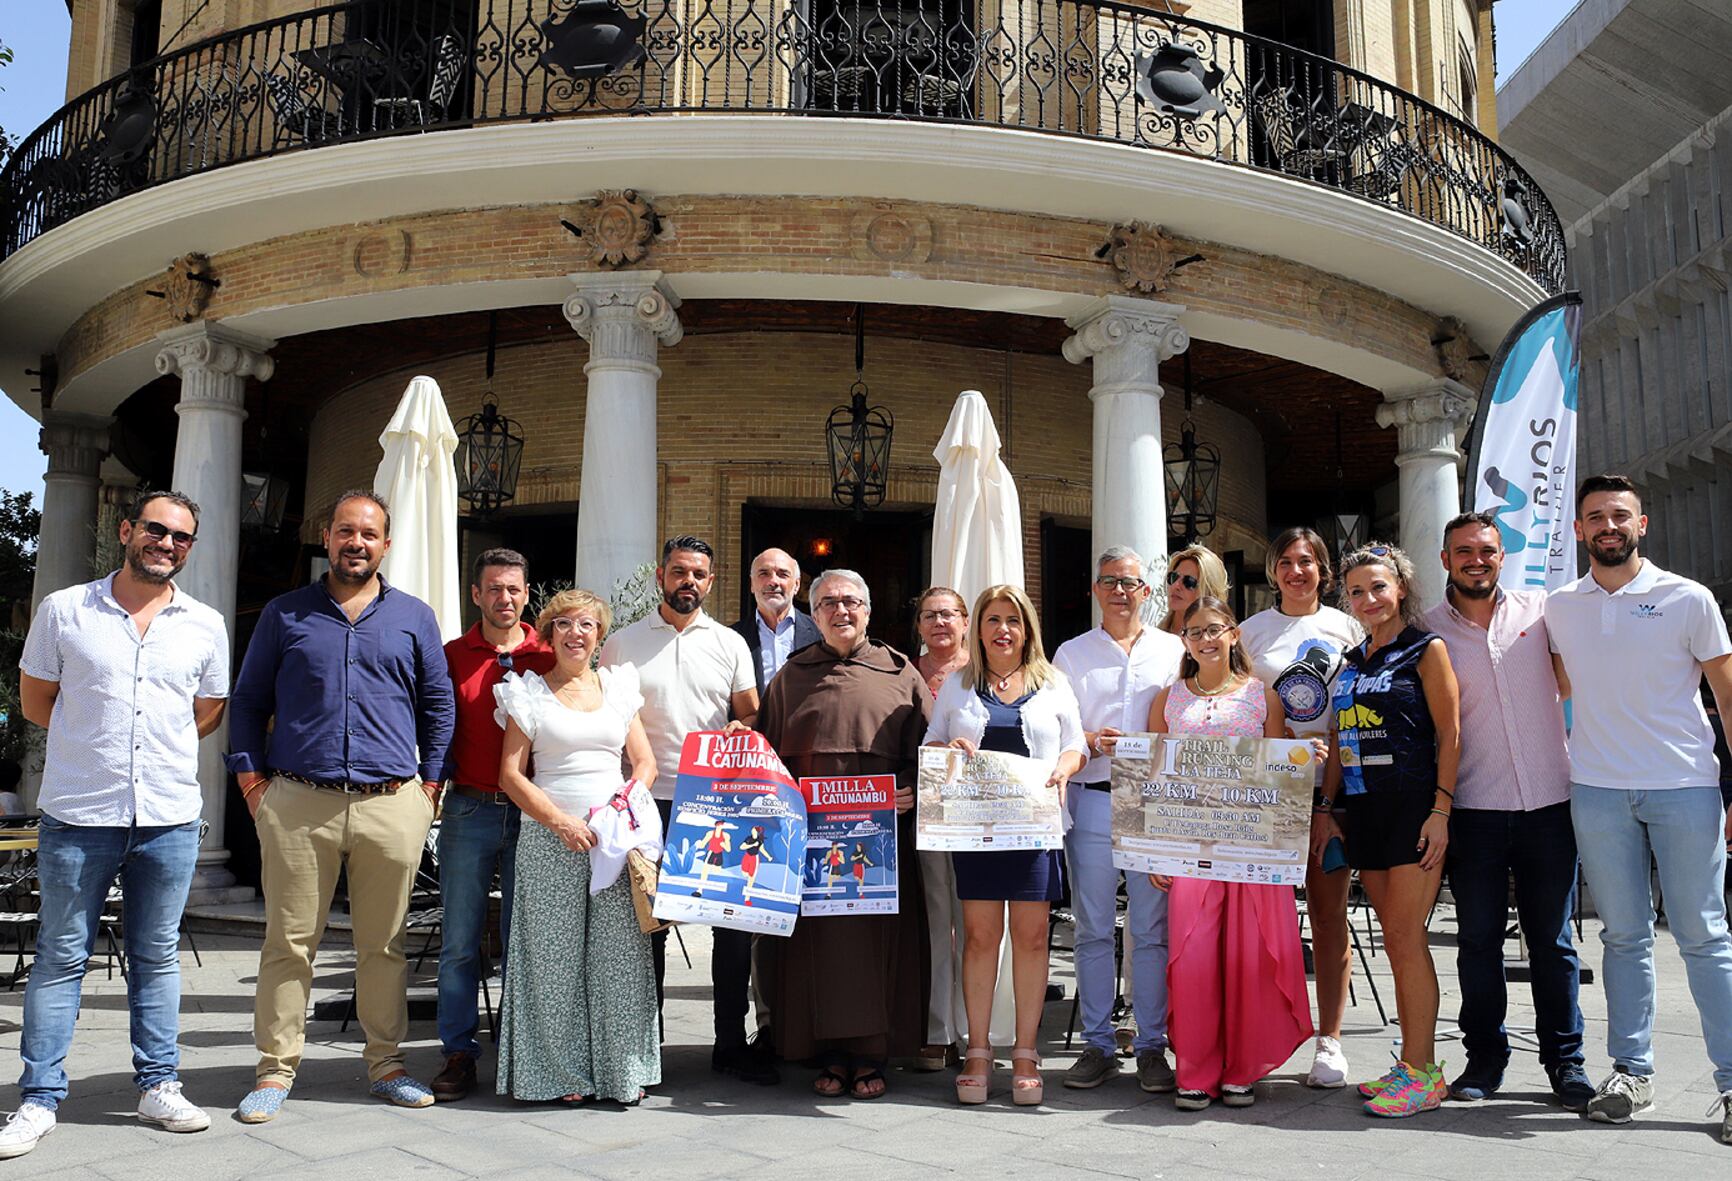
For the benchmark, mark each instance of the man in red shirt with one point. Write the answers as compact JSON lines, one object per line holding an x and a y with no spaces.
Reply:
{"x":479,"y":823}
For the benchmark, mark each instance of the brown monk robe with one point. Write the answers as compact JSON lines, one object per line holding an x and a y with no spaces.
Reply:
{"x":851,"y":985}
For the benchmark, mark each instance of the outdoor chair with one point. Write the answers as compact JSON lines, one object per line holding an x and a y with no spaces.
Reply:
{"x":296,"y":117}
{"x":449,"y":60}
{"x":18,"y":908}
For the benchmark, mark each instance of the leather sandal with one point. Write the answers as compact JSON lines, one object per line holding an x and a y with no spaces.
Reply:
{"x":1027,"y":1092}
{"x":971,"y":1087}
{"x":837,"y":1069}
{"x":866,"y":1073}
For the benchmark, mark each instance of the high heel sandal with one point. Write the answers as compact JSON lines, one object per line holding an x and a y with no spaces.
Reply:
{"x":1027,"y":1092}
{"x":971,"y":1088}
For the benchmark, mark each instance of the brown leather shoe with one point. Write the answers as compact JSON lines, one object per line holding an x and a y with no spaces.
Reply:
{"x":456,"y":1080}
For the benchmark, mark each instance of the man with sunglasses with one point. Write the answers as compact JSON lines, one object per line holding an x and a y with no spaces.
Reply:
{"x":479,"y":823}
{"x":126,"y":674}
{"x":1117,"y":670}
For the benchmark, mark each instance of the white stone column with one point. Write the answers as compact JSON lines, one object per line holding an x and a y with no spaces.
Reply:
{"x":213,"y":364}
{"x":75,"y":445}
{"x":625,"y":317}
{"x":1127,"y":339}
{"x":1429,"y":420}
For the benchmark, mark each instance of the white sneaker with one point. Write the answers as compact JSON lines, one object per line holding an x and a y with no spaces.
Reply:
{"x":24,"y":1128}
{"x":164,"y":1106}
{"x":1329,"y":1067}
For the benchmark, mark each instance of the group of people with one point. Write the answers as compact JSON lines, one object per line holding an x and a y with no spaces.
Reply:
{"x":1439,"y":735}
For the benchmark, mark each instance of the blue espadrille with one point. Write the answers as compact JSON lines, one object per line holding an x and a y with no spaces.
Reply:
{"x":403,"y":1091}
{"x":261,"y":1105}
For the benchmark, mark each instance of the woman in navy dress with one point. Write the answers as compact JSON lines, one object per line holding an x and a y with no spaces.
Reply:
{"x":1393,"y":750}
{"x":1007,"y":698}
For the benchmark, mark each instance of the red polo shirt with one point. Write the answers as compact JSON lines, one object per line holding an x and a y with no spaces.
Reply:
{"x":475,"y":669}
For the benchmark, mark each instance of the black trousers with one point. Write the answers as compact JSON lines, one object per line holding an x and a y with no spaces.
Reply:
{"x":730,"y":970}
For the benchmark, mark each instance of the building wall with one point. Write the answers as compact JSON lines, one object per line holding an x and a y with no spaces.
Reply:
{"x":1651,"y":262}
{"x":740,"y":415}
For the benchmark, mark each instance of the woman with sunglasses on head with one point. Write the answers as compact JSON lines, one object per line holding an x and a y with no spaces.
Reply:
{"x":1193,"y":573}
{"x":941,"y":624}
{"x":1296,"y":648}
{"x":1394,"y":746}
{"x":1008,"y":698}
{"x":1235,"y":968}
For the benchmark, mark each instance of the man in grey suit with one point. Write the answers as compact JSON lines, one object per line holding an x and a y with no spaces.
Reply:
{"x":777,"y":629}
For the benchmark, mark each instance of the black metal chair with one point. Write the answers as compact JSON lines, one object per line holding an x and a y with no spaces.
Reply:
{"x":296,"y":116}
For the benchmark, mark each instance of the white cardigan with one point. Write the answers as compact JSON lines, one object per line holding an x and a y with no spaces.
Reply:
{"x":1051,"y":721}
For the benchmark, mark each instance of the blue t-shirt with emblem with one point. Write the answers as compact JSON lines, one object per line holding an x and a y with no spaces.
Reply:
{"x":1388,"y":740}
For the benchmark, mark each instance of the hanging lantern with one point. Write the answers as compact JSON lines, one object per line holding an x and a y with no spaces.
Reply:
{"x":859,"y":439}
{"x":263,"y":499}
{"x":489,"y":452}
{"x":1193,"y":485}
{"x":1344,"y":532}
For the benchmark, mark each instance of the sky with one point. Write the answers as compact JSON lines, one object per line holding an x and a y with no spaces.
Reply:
{"x":35,"y":87}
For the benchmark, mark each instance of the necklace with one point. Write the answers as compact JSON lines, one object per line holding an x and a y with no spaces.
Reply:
{"x":1003,"y":683}
{"x":1225,"y":687}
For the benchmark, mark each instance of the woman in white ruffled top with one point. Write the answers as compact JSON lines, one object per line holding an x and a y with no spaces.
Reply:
{"x":578,"y":1019}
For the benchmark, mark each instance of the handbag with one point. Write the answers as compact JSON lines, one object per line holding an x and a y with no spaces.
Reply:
{"x":644,"y":873}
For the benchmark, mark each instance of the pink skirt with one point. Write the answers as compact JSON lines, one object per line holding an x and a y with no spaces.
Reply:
{"x":1236,"y":982}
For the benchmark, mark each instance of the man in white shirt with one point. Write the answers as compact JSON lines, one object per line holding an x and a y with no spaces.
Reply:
{"x":1117,"y":670}
{"x":695,"y":674}
{"x":126,"y":673}
{"x":1636,"y":642}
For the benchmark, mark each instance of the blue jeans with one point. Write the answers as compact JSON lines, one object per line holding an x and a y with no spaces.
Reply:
{"x":1539,"y":848}
{"x":1684,"y":830}
{"x":77,"y":865}
{"x":473,"y":838}
{"x":1094,"y":897}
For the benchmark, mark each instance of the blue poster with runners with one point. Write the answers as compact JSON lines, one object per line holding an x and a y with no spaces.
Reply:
{"x":850,"y":845}
{"x":735,"y":841}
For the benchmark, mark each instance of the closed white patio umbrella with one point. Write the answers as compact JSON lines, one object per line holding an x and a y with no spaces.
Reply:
{"x":976,"y":543}
{"x":419,"y":482}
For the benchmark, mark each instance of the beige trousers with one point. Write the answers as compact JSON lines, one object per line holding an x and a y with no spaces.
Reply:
{"x":306,"y":835}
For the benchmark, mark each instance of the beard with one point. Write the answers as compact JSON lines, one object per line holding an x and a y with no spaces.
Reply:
{"x":1617,"y":556}
{"x":135,"y":565}
{"x":683,"y":600}
{"x":1468,"y":590}
{"x":349,"y":578}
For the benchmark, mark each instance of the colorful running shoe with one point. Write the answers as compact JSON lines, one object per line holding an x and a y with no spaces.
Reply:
{"x":1376,"y":1087}
{"x":1410,"y":1092}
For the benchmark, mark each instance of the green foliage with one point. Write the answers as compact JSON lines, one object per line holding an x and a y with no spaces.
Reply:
{"x":7,"y":142}
{"x":632,"y":598}
{"x":20,"y":525}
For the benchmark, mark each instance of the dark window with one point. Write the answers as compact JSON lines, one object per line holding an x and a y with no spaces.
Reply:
{"x":1303,"y":24}
{"x":146,"y":31}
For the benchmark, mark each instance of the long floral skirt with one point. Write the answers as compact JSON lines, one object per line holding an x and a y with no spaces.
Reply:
{"x":579,"y":1012}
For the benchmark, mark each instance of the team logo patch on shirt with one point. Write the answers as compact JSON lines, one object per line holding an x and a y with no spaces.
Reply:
{"x":1647,"y":611}
{"x":1304,"y":686}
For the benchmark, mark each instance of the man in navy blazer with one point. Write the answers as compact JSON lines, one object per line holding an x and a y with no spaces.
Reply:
{"x":777,"y":629}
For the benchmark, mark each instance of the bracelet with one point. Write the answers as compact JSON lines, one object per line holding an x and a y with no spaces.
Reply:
{"x":1440,"y":812}
{"x":1446,"y":791}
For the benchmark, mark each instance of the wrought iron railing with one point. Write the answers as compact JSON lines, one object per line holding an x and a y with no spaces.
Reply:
{"x":1090,"y":68}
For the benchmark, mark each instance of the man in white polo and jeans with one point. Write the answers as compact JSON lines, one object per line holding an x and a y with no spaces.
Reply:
{"x":1116,"y":671}
{"x":1636,"y":642}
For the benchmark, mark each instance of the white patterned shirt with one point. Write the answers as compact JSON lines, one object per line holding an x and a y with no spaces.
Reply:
{"x":122,"y":741}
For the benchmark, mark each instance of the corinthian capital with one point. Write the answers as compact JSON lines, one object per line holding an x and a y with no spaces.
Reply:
{"x":1429,"y":419}
{"x":202,"y":354}
{"x":1118,"y":322}
{"x":625,"y":315}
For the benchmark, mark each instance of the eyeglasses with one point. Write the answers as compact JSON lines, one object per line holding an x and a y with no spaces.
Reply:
{"x":1109,"y":583}
{"x":1189,"y":580}
{"x":939,"y":616}
{"x":1213,"y":631}
{"x":565,"y":624}
{"x":157,"y":531}
{"x":504,"y":661}
{"x":844,"y":603}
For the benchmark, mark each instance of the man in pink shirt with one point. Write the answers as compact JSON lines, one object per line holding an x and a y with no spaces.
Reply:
{"x":1511,"y":815}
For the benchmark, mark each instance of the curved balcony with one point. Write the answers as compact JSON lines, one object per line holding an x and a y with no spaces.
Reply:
{"x":1084,"y":68}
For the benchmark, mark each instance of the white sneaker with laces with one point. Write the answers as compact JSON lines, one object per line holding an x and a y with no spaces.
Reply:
{"x":164,"y":1106}
{"x":24,"y":1128}
{"x":1721,"y":1109}
{"x":1329,"y":1067}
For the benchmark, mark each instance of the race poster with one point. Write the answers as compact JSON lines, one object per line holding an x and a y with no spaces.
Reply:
{"x":735,"y":841}
{"x":1224,"y":809}
{"x":985,"y":801}
{"x":850,"y":864}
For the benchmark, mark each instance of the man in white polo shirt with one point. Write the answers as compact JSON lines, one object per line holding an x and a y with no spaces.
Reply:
{"x":126,"y":674}
{"x":696,"y":674}
{"x":1636,"y":642}
{"x":1116,"y":671}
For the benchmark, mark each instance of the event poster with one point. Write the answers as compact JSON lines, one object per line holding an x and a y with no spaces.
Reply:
{"x":734,"y":844}
{"x":1225,"y":809}
{"x":985,"y":801}
{"x":850,"y":865}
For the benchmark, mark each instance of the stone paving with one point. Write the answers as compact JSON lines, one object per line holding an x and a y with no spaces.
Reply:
{"x":698,"y":1125}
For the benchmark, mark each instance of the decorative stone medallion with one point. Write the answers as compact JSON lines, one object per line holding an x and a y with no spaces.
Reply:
{"x":1454,"y":348}
{"x":188,"y":287}
{"x":892,"y":237}
{"x":1142,"y":255}
{"x":620,"y":227}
